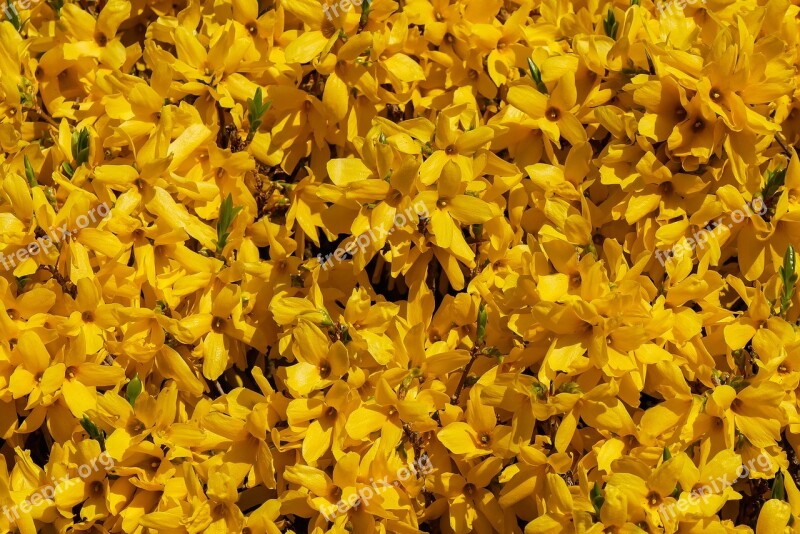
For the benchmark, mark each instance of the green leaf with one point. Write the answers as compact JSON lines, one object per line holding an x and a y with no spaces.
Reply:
{"x":25,"y":88}
{"x":788,"y":277}
{"x":789,"y":262}
{"x":80,"y":146}
{"x":56,"y":5}
{"x":346,"y":336}
{"x":326,"y":317}
{"x":256,"y":107}
{"x":13,"y":15}
{"x":30,"y":174}
{"x":493,"y":352}
{"x":775,"y":180}
{"x":596,"y":495}
{"x":610,"y":24}
{"x":133,"y":389}
{"x":539,"y":390}
{"x":483,"y":317}
{"x":94,"y":432}
{"x":227,"y":214}
{"x":365,"y":7}
{"x":667,"y":455}
{"x":477,"y":231}
{"x":738,"y":383}
{"x":67,"y":168}
{"x":778,"y":490}
{"x":569,"y":387}
{"x":536,"y":75}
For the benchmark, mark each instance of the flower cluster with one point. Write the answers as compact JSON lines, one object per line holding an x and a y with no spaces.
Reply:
{"x":515,"y":329}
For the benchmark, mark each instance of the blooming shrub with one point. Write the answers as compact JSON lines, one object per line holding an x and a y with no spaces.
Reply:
{"x":399,"y":266}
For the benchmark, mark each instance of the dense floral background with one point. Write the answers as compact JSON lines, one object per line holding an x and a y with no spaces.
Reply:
{"x":530,"y":265}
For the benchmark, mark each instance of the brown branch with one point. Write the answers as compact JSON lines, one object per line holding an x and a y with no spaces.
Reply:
{"x":222,"y":137}
{"x":783,"y":145}
{"x":40,"y":113}
{"x":473,"y":355}
{"x":66,"y":284}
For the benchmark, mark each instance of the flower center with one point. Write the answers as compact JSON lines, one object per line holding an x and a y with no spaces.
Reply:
{"x":324,"y":370}
{"x":97,"y":488}
{"x":552,"y":114}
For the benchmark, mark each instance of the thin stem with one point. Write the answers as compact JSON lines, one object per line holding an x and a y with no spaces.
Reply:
{"x":472,"y":357}
{"x":783,"y":144}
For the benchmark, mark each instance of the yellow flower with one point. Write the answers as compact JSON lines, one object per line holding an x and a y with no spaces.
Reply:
{"x":450,"y":145}
{"x":470,"y":505}
{"x":555,"y":113}
{"x":479,"y":435}
{"x":98,"y":37}
{"x":321,"y":421}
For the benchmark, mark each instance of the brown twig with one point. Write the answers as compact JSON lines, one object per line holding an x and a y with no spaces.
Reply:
{"x":783,"y":144}
{"x":43,"y":115}
{"x":222,"y":137}
{"x":66,"y":284}
{"x":417,"y":441}
{"x":473,"y":355}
